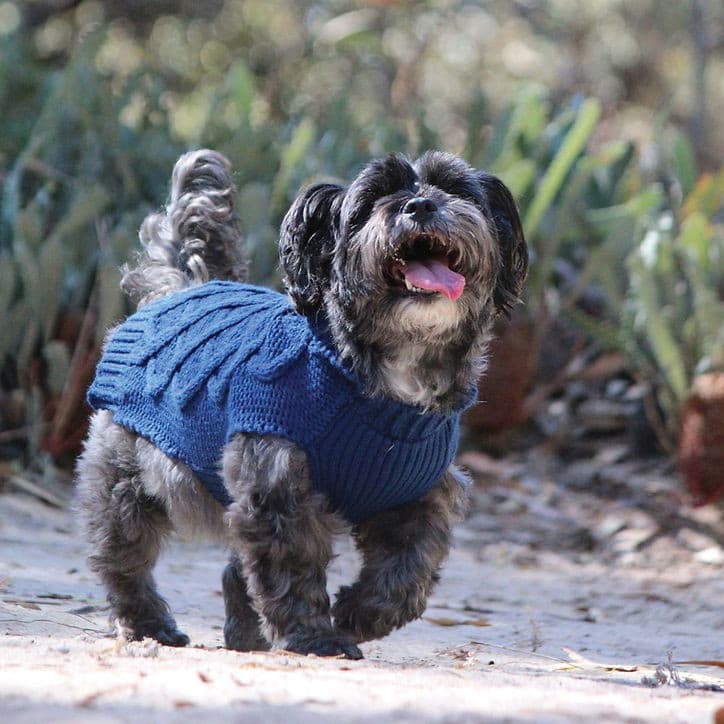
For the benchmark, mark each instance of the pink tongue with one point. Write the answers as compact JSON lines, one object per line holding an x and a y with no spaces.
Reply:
{"x":435,"y":276}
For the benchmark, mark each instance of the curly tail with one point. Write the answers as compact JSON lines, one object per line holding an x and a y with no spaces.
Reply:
{"x":197,"y":239}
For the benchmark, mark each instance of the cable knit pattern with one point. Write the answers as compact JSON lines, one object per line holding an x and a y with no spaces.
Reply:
{"x":194,"y":368}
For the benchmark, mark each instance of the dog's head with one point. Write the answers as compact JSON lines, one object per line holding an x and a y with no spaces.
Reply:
{"x":407,"y":249}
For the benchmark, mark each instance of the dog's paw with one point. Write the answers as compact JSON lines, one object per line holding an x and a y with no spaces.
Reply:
{"x":324,"y":644}
{"x":366,"y":617}
{"x":360,"y":622}
{"x":165,"y":633}
{"x":243,"y":636}
{"x":171,"y":637}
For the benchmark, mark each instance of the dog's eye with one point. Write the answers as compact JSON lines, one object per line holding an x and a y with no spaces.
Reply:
{"x":465,"y":190}
{"x":464,"y":187}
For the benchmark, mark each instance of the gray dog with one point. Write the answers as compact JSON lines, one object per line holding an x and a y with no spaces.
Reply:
{"x":276,"y":421}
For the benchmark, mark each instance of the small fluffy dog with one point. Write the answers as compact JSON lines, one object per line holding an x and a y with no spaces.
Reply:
{"x":275,"y":421}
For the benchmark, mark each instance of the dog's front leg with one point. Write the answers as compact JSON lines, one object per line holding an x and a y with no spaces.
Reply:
{"x":283,"y":535}
{"x":402,"y":552}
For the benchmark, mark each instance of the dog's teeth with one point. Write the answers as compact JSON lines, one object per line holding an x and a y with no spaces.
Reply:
{"x":412,"y":287}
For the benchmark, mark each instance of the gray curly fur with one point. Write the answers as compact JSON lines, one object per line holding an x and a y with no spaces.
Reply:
{"x":196,"y":239}
{"x":335,"y":243}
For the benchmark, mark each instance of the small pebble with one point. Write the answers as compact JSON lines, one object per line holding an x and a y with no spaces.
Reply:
{"x":714,"y":556}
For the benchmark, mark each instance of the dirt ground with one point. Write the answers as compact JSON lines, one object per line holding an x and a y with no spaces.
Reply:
{"x":560,"y":603}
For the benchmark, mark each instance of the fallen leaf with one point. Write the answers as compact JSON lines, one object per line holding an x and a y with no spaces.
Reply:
{"x":56,"y":596}
{"x":701,"y":662}
{"x":481,"y":464}
{"x":442,"y":621}
{"x":461,"y":654}
{"x":87,"y":609}
{"x":583,"y":662}
{"x":89,"y":700}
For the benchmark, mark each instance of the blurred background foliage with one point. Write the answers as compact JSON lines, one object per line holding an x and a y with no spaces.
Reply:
{"x":601,"y":115}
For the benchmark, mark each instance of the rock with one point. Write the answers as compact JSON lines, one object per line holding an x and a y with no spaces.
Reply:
{"x":503,"y":388}
{"x":713,"y":556}
{"x":701,"y":438}
{"x":602,"y":415}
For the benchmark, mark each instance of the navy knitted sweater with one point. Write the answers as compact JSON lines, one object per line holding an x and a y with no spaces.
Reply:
{"x":191,"y":370}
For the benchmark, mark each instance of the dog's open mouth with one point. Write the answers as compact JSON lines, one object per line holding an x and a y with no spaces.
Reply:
{"x":425,"y":265}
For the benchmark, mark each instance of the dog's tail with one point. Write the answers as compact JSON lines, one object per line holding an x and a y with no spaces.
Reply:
{"x":198,"y":236}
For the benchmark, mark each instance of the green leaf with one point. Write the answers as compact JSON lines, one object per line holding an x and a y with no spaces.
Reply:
{"x":658,"y":333}
{"x":30,"y":224}
{"x":255,"y":215}
{"x":15,"y":321}
{"x":111,"y":303}
{"x":7,"y":282}
{"x":29,"y":275}
{"x":86,"y":206}
{"x":575,"y":141}
{"x":696,"y":236}
{"x":292,"y":156}
{"x":51,"y":263}
{"x":242,"y":85}
{"x":641,"y":205}
{"x":605,"y":264}
{"x":519,"y":176}
{"x":525,"y":121}
{"x":707,"y":196}
{"x":683,"y":161}
{"x":57,"y":359}
{"x":28,"y":339}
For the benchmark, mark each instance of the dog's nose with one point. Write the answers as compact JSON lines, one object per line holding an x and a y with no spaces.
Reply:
{"x":420,"y":208}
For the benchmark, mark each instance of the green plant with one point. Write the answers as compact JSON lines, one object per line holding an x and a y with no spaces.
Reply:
{"x":658,"y":262}
{"x":76,"y":186}
{"x":581,"y":200}
{"x":88,"y":149}
{"x":86,"y":157}
{"x":673,"y":321}
{"x":583,"y":204}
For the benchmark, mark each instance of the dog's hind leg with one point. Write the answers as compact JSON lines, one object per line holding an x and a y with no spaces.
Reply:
{"x":284,"y":540}
{"x":242,"y":629}
{"x":125,"y":527}
{"x":402,"y":552}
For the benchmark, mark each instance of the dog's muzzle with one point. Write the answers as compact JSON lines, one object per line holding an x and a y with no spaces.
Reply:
{"x":425,"y":264}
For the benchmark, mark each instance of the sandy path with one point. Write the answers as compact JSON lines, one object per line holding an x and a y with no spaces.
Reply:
{"x":491,"y":646}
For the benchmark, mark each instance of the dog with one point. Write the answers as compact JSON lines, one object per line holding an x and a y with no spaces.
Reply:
{"x":277,"y":421}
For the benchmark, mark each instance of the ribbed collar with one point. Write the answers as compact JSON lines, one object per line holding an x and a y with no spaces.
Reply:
{"x":391,"y":417}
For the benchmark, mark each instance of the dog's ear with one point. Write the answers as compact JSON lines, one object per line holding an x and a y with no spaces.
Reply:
{"x":306,"y":244}
{"x":512,"y":247}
